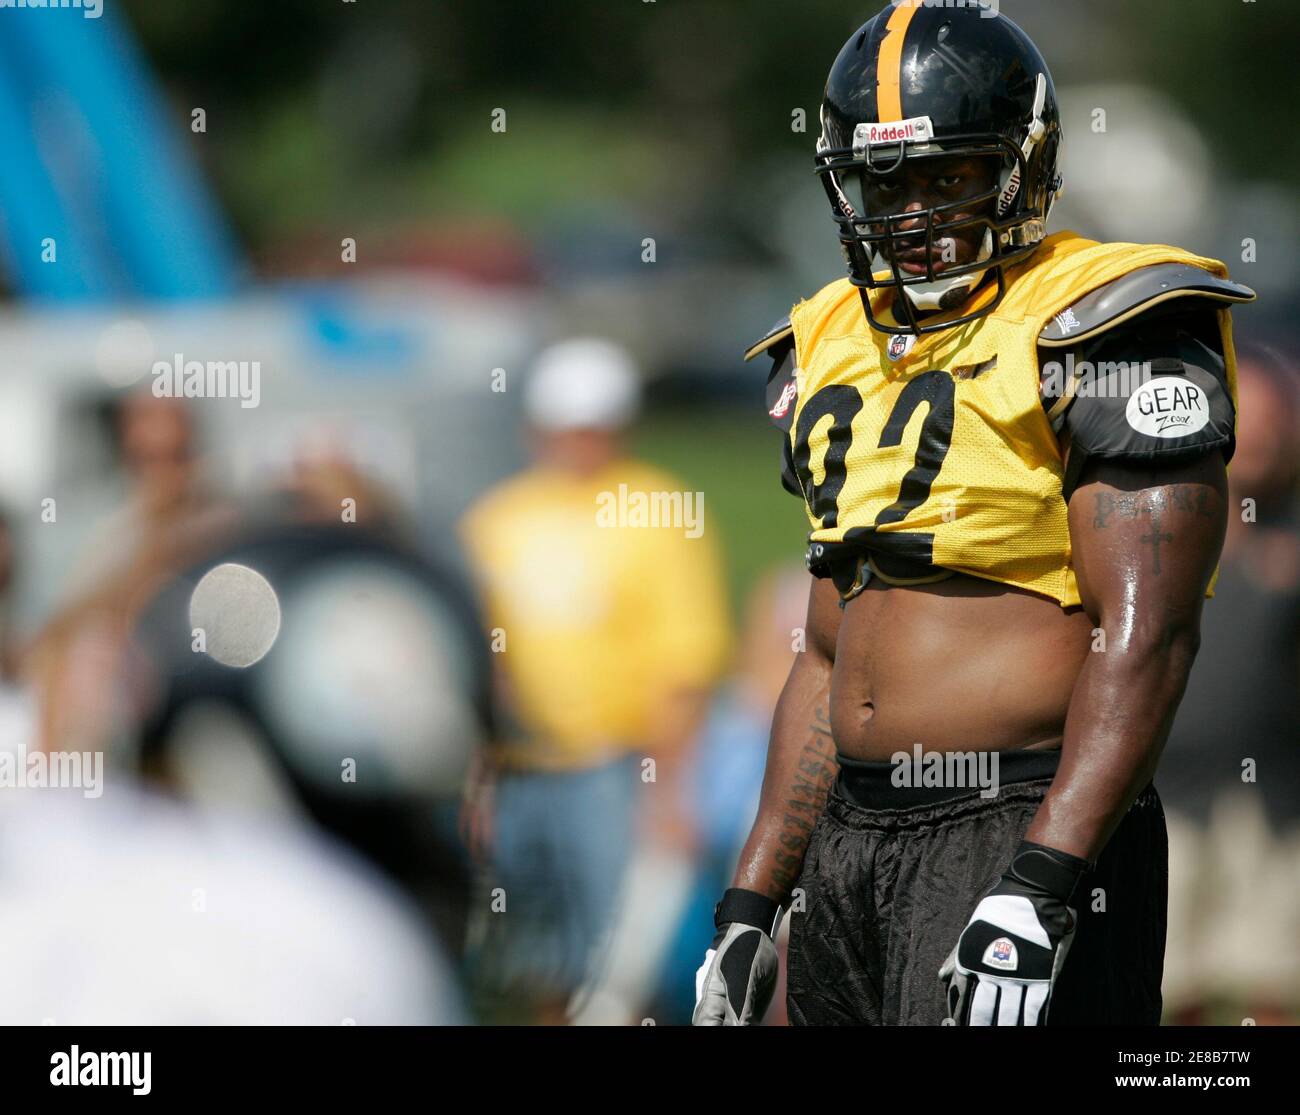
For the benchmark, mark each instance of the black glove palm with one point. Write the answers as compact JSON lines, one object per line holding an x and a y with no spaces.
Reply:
{"x":734,"y":985}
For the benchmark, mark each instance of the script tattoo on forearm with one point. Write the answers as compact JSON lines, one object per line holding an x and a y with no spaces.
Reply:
{"x":814,"y":773}
{"x":1163,"y":506}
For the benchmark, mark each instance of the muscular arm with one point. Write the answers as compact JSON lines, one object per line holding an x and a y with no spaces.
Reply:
{"x":1145,"y":541}
{"x":800,"y":759}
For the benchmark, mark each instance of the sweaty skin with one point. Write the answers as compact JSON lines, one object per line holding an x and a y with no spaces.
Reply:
{"x":966,"y":664}
{"x":963,"y":664}
{"x":924,"y":185}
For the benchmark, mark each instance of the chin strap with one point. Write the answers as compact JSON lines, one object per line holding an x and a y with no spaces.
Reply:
{"x":938,"y":295}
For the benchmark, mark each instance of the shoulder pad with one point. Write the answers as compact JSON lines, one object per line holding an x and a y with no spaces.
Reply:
{"x":782,"y":390}
{"x":1165,"y":409}
{"x":1131,"y":294}
{"x":781,"y":331}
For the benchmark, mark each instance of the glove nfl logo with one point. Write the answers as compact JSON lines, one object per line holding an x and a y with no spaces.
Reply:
{"x":1001,"y":954}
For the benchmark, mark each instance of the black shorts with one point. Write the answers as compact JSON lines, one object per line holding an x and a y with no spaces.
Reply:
{"x":892,"y":875}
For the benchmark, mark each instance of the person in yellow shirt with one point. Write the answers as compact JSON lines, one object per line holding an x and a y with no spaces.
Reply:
{"x":604,"y":600}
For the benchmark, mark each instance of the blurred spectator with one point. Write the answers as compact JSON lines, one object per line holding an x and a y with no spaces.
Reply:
{"x":727,"y":777}
{"x":1230,"y":778}
{"x":344,"y":679}
{"x":8,"y":647}
{"x":17,"y":703}
{"x":166,"y":504}
{"x":323,"y":477}
{"x":610,"y":631}
{"x":78,"y":661}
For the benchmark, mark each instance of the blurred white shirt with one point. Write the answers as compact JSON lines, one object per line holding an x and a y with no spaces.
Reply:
{"x":130,"y":909}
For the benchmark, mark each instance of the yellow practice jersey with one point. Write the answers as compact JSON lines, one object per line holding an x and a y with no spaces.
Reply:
{"x":934,"y":453}
{"x":604,"y":594}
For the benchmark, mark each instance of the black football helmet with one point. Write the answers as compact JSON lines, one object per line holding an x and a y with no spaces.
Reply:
{"x":923,"y":82}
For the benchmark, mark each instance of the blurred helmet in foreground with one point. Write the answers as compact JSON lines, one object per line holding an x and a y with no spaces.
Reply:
{"x":324,"y":672}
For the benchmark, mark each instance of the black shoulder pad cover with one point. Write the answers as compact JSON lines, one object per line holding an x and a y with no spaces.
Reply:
{"x":781,"y":388}
{"x":1121,"y":299}
{"x":781,"y":392}
{"x":1175,"y":406}
{"x":1180,"y":410}
{"x":778,"y":343}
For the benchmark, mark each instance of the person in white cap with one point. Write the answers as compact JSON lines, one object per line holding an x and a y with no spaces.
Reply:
{"x":583,"y":384}
{"x":611,"y":624}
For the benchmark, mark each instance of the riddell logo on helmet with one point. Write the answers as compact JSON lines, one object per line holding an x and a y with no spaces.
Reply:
{"x":917,"y":130}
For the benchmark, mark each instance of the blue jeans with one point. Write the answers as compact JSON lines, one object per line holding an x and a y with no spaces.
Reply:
{"x":561,"y":846}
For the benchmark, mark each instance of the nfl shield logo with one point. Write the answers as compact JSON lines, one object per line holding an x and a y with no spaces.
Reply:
{"x":900,"y":344}
{"x":1001,"y":954}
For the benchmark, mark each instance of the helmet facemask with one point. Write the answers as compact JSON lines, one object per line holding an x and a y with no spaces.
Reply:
{"x":873,"y":242}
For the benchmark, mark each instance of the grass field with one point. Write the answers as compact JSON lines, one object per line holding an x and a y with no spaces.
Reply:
{"x":735,"y":460}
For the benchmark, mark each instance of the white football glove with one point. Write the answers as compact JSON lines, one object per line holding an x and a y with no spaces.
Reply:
{"x":1002,"y":970}
{"x":734,"y":985}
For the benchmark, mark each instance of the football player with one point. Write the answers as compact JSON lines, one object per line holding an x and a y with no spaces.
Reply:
{"x":1011,"y":447}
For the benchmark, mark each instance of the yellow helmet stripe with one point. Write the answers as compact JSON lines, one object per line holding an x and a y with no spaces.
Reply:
{"x":889,"y":63}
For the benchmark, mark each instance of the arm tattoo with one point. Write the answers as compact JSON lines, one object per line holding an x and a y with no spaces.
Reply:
{"x":1162,"y":505}
{"x":1125,"y":505}
{"x":811,"y":782}
{"x":1155,"y":537}
{"x":1181,"y":496}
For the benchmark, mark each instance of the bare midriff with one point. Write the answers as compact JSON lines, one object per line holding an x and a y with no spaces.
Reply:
{"x":958,"y":665}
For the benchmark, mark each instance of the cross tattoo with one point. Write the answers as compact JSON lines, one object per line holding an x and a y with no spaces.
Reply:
{"x":1155,"y":538}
